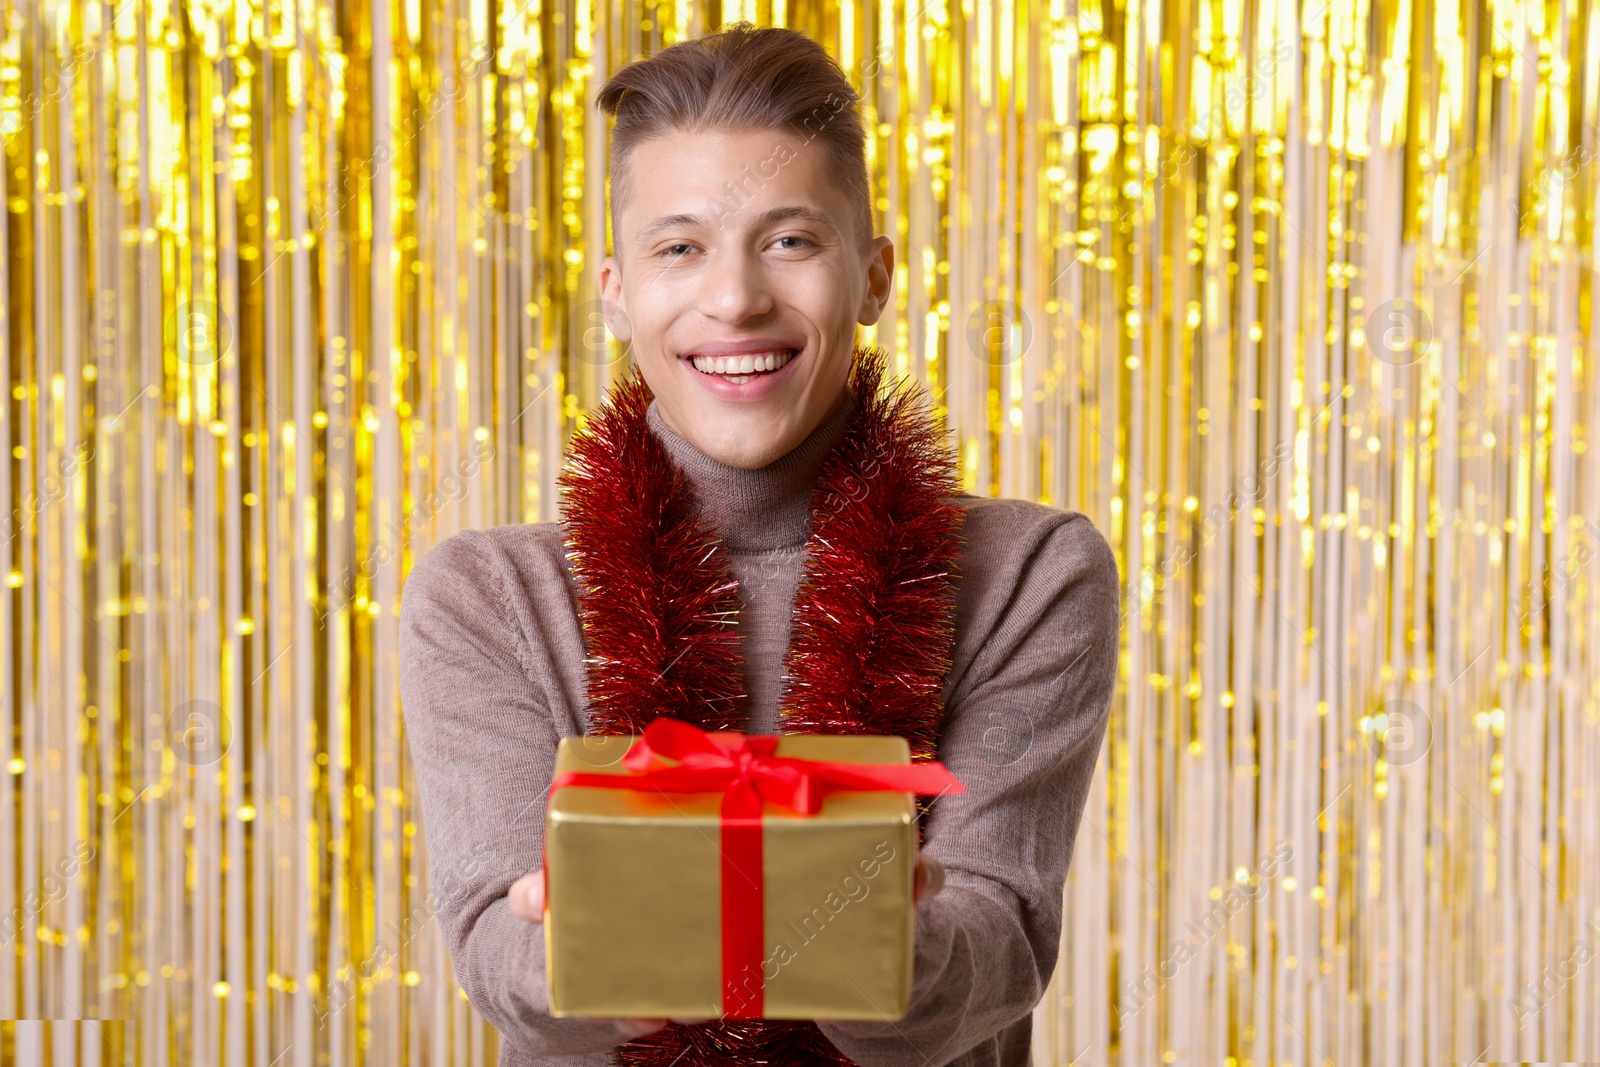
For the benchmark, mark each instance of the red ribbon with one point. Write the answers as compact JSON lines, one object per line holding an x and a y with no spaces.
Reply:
{"x":742,"y":767}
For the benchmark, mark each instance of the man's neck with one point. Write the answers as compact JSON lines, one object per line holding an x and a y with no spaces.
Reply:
{"x":762,"y":509}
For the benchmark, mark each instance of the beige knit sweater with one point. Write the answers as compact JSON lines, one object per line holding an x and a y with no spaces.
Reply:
{"x":491,"y":676}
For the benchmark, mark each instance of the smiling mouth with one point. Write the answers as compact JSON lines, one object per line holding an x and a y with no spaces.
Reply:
{"x":746,"y":368}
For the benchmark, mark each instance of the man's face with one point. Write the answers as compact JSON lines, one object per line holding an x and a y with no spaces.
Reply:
{"x":738,"y":247}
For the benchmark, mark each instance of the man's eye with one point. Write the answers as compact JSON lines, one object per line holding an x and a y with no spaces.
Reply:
{"x":668,"y":251}
{"x":792,"y":237}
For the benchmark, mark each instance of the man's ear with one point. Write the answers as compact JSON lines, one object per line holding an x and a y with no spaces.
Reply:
{"x":880,"y":281}
{"x":611,"y":301}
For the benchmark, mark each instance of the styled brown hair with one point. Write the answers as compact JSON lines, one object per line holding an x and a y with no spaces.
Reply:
{"x":739,"y":79}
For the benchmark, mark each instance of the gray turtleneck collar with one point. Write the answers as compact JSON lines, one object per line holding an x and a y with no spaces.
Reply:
{"x":763,"y":509}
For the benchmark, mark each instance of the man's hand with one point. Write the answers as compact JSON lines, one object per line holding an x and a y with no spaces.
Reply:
{"x":930,"y":877}
{"x":526,"y":897}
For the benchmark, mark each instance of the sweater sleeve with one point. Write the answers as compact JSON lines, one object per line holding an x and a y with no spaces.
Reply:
{"x":1023,"y":734}
{"x":483,"y":748}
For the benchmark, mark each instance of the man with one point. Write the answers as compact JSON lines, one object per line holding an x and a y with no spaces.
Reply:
{"x":754,"y":471}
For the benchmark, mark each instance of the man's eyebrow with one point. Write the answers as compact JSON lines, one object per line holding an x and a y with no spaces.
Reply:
{"x":667,"y":222}
{"x":766,"y":218}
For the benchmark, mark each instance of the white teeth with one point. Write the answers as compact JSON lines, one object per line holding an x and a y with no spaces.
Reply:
{"x":742,"y":366}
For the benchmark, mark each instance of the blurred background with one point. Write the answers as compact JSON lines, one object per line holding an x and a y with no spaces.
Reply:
{"x":1294,"y":299}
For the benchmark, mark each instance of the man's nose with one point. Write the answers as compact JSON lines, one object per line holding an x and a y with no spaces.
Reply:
{"x":735,"y":288}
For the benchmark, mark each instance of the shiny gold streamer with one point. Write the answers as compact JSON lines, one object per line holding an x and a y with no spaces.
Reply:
{"x":1293,"y":299}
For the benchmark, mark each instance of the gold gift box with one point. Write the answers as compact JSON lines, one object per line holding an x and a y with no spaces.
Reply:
{"x":633,"y":918}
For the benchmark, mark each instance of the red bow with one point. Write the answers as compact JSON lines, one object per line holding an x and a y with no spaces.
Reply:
{"x":744,"y":769}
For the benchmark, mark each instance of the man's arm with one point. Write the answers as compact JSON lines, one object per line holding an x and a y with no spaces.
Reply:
{"x":1023,"y":735}
{"x":483,"y":747}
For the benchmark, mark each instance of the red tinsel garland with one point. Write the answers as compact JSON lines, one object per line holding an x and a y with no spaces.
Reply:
{"x":872,"y":630}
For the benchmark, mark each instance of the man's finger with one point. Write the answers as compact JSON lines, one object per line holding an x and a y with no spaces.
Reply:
{"x":526,"y":897}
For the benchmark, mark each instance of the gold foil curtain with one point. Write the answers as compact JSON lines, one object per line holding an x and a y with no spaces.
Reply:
{"x":1293,"y":299}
